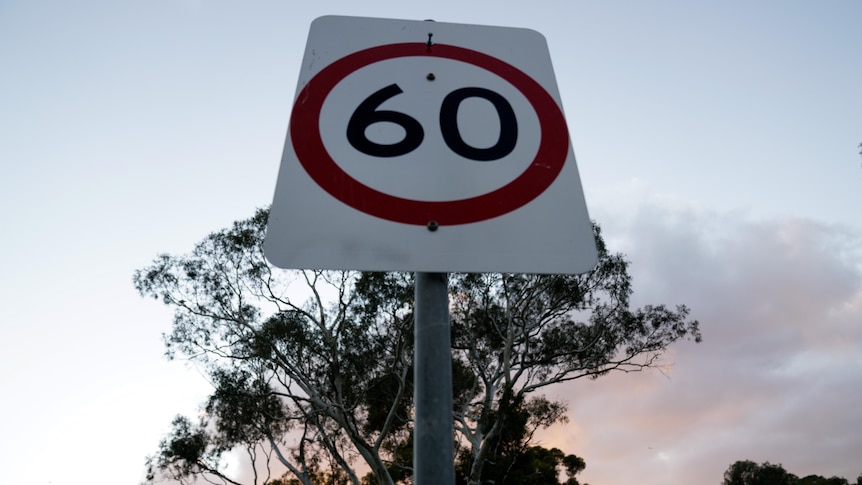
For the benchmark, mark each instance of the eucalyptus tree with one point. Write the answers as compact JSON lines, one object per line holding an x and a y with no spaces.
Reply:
{"x":312,"y":370}
{"x":747,"y":472}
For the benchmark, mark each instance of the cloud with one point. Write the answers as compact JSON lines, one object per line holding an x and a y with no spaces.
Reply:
{"x":778,"y":375}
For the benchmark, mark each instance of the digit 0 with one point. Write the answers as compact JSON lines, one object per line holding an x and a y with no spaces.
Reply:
{"x":452,"y":135}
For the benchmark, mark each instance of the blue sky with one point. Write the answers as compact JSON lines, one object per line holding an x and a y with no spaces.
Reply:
{"x":717,"y":146}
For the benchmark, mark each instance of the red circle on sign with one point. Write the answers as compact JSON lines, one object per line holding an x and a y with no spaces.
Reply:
{"x":312,"y":154}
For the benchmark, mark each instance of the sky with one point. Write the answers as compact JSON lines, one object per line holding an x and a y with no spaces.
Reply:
{"x":717,"y":144}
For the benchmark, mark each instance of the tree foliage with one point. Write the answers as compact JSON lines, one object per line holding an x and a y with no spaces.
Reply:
{"x":747,"y":472}
{"x":513,"y":459}
{"x":313,"y":369}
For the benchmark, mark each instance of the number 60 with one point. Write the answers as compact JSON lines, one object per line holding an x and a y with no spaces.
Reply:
{"x":367,"y":114}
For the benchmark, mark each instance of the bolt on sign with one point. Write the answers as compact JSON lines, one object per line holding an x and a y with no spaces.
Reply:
{"x":428,"y":146}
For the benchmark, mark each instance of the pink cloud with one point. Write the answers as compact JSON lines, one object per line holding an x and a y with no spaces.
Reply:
{"x":777,"y":377}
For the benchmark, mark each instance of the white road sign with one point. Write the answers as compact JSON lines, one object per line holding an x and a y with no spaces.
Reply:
{"x":428,"y":146}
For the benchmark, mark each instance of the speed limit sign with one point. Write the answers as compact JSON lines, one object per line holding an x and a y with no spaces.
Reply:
{"x":428,"y":146}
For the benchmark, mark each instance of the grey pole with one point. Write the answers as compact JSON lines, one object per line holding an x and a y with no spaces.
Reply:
{"x":433,"y":453}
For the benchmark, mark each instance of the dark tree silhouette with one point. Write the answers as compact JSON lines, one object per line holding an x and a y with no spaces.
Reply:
{"x":312,"y":370}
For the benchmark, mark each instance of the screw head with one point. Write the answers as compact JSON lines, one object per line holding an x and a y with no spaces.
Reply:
{"x":430,"y":76}
{"x":432,"y":226}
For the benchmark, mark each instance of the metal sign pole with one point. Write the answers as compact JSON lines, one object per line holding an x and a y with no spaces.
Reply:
{"x":433,"y":447}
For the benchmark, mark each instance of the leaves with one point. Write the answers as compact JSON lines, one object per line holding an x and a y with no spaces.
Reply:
{"x":747,"y":472}
{"x":314,"y":368}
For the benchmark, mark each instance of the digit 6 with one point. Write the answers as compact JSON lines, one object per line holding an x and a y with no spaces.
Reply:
{"x":367,"y":114}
